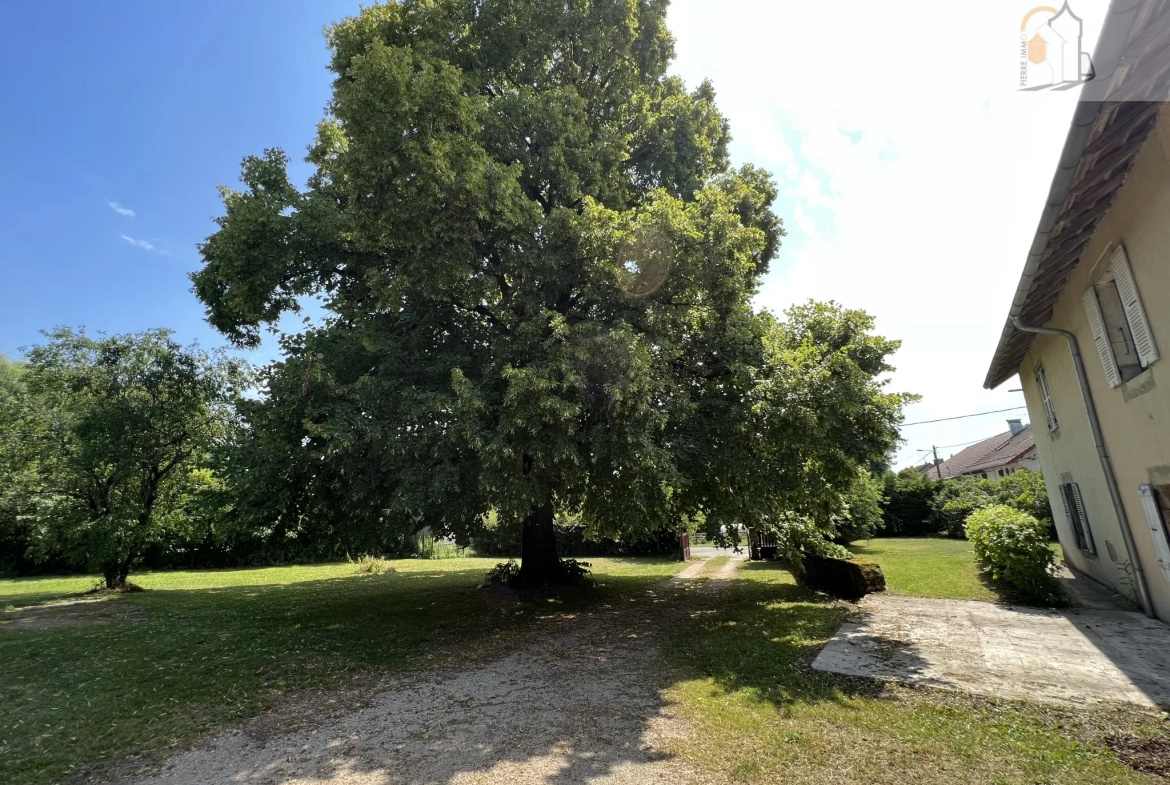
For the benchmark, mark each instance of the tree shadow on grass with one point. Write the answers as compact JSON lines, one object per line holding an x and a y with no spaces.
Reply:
{"x":763,"y":635}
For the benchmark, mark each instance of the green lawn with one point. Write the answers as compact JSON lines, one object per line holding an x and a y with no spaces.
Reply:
{"x":203,"y":648}
{"x":761,"y":714}
{"x":927,"y":567}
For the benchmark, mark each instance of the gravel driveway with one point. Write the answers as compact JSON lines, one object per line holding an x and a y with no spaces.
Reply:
{"x":580,"y":704}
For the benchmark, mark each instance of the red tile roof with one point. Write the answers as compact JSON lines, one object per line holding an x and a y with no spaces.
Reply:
{"x":992,"y":453}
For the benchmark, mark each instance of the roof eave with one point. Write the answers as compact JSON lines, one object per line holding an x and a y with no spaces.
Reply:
{"x":1115,"y":34}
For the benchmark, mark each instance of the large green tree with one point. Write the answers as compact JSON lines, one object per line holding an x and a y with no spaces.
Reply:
{"x":538,"y":268}
{"x":106,"y":442}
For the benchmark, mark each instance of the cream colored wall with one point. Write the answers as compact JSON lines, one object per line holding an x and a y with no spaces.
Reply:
{"x":1135,"y":418}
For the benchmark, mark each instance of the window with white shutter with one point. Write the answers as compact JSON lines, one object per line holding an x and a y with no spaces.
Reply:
{"x":1073,"y":522}
{"x":1079,"y":507}
{"x":1078,"y":521}
{"x":1101,"y":337}
{"x":1131,"y":301}
{"x":1046,"y":398}
{"x":1154,"y":518}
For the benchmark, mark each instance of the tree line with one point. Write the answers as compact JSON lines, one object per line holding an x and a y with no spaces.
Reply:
{"x":915,"y":504}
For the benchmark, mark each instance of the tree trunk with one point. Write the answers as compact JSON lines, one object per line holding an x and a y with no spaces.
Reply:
{"x":539,"y":563}
{"x":115,"y":575}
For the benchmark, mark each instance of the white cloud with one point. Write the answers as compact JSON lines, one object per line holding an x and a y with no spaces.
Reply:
{"x":139,"y":243}
{"x":119,"y":209}
{"x":912,"y":173}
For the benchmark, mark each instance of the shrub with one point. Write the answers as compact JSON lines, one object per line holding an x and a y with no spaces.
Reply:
{"x":1025,"y":490}
{"x":849,"y":579}
{"x":576,"y":572}
{"x":371,"y":565}
{"x":1012,"y":548}
{"x":573,"y":573}
{"x":506,"y":573}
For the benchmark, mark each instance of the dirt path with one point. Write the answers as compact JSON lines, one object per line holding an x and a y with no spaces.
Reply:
{"x":581,"y":704}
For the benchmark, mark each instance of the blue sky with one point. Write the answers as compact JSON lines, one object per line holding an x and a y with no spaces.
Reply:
{"x":910,"y":187}
{"x":147,"y":105}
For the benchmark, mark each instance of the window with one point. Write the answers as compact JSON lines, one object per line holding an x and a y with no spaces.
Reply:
{"x":1118,"y":322}
{"x":1156,"y":502}
{"x":1074,"y":510}
{"x":1046,"y":398}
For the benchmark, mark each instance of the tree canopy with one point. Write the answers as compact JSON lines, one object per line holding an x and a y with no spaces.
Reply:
{"x":538,"y":266}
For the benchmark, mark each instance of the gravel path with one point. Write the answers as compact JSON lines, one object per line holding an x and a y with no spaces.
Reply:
{"x":579,"y":705}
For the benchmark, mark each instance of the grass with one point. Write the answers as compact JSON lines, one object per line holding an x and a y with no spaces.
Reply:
{"x":205,"y":648}
{"x":761,"y":715}
{"x":927,"y":567}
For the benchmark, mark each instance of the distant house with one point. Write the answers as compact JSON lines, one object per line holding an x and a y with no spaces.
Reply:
{"x":991,"y":458}
{"x":1091,"y":316}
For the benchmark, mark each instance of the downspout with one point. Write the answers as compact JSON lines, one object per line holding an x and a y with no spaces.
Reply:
{"x":1103,"y":454}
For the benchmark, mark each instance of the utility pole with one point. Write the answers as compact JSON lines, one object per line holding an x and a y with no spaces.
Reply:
{"x":937,"y":470}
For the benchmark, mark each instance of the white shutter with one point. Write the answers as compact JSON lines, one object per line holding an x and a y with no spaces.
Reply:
{"x":1068,"y":516}
{"x":1131,"y":301}
{"x":1101,"y":337}
{"x":1046,"y":398}
{"x":1088,"y":531}
{"x":1157,"y":531}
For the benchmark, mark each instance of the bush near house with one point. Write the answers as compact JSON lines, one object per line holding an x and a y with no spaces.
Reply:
{"x":1012,"y":549}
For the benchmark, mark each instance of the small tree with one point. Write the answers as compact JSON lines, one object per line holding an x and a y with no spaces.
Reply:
{"x":109,"y":440}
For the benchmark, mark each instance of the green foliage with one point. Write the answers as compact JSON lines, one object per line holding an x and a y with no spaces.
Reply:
{"x":1024,"y":490}
{"x":914,"y":504}
{"x":861,"y":513}
{"x":15,"y":531}
{"x":107,"y":445}
{"x":573,"y":573}
{"x":1012,"y":548}
{"x":506,"y":573}
{"x":430,"y":547}
{"x":908,"y":504}
{"x":577,"y":573}
{"x":956,"y":498}
{"x":798,"y":538}
{"x":539,"y":267}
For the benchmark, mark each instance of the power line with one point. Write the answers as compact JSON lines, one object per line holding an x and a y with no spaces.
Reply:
{"x":962,"y":416}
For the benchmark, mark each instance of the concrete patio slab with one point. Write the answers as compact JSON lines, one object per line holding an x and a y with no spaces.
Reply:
{"x":1077,"y":657}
